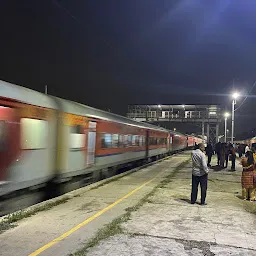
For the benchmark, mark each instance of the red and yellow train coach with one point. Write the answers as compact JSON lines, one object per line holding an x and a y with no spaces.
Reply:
{"x":27,"y":141}
{"x":47,"y":140}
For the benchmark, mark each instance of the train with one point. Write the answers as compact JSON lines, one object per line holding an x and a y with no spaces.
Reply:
{"x":251,"y":142}
{"x":48,"y":143}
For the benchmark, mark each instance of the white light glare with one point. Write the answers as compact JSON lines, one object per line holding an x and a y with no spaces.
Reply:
{"x":159,"y":106}
{"x":235,"y":95}
{"x":226,"y":115}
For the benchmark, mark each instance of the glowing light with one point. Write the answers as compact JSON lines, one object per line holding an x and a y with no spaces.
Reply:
{"x":183,"y":106}
{"x":235,"y":95}
{"x":159,"y":106}
{"x":226,"y":115}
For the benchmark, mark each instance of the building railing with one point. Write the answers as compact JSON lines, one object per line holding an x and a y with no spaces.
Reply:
{"x":173,"y":116}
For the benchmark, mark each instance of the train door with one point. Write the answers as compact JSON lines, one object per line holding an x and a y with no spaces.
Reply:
{"x":147,"y":143}
{"x":171,"y":142}
{"x":91,"y":143}
{"x":9,"y":139}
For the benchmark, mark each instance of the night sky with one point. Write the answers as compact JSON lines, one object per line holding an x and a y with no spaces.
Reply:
{"x":111,"y":53}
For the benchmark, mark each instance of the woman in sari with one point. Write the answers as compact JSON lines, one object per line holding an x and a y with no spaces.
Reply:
{"x":247,"y":177}
{"x":254,"y":172}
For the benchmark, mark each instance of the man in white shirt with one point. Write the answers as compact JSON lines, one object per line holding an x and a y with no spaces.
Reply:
{"x":247,"y":149}
{"x":199,"y":173}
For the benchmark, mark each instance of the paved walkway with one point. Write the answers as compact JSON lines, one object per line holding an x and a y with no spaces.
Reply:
{"x":169,"y":225}
{"x":67,"y":227}
{"x":144,"y":213}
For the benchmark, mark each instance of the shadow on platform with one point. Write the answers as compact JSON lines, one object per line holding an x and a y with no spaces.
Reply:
{"x":216,"y":168}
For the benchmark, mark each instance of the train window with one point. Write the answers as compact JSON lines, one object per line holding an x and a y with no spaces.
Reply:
{"x":120,"y":141}
{"x":129,"y":140}
{"x":77,"y":129}
{"x":133,"y":140}
{"x":140,"y":141}
{"x":162,"y":141}
{"x":106,"y":140}
{"x":125,"y":141}
{"x":137,"y":140}
{"x":77,"y":137}
{"x":114,"y":140}
{"x":34,"y":133}
{"x":143,"y":140}
{"x":152,"y":141}
{"x":2,"y":135}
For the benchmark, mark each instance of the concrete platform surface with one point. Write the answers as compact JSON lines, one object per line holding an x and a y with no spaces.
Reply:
{"x":167,"y":224}
{"x":71,"y":225}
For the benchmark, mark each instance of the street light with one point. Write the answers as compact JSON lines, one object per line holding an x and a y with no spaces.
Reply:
{"x":226,"y":115}
{"x":235,"y":95}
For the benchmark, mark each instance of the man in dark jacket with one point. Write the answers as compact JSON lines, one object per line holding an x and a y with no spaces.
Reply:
{"x":209,"y":153}
{"x":217,"y":150}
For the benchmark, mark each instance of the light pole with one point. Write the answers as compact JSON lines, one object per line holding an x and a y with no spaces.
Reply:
{"x":226,"y":115}
{"x":234,"y":96}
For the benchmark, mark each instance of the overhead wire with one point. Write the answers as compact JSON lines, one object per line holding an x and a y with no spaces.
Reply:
{"x":246,"y":96}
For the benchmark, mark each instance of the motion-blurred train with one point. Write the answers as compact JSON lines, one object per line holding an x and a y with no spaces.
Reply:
{"x":47,"y":142}
{"x":251,"y":142}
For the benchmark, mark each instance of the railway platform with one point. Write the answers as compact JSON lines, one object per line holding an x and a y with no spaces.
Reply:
{"x":146,"y":212}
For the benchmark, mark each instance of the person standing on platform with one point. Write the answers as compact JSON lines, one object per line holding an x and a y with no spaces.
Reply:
{"x":199,"y":174}
{"x":254,"y":172}
{"x":209,"y":153}
{"x":247,"y":162}
{"x":246,"y":149}
{"x":240,"y":150}
{"x":222,"y":155}
{"x":226,"y":155}
{"x":217,"y":150}
{"x":232,"y":154}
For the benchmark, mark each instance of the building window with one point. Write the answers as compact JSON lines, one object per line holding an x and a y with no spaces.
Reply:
{"x":34,"y":133}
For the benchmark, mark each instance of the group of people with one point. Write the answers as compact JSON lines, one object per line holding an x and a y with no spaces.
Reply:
{"x":225,"y":152}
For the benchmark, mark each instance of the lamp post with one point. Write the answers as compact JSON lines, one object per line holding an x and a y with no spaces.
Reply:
{"x":234,"y":96}
{"x":226,"y":115}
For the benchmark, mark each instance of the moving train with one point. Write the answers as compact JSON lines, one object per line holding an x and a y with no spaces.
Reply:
{"x":47,"y":142}
{"x":250,"y":142}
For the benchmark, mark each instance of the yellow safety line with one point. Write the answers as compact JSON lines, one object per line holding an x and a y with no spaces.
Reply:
{"x":72,"y":230}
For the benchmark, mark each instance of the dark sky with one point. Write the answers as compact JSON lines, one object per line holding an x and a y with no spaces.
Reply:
{"x":111,"y":53}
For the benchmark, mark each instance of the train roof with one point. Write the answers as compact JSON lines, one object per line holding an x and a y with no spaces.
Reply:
{"x":22,"y":94}
{"x":83,"y":110}
{"x":25,"y":95}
